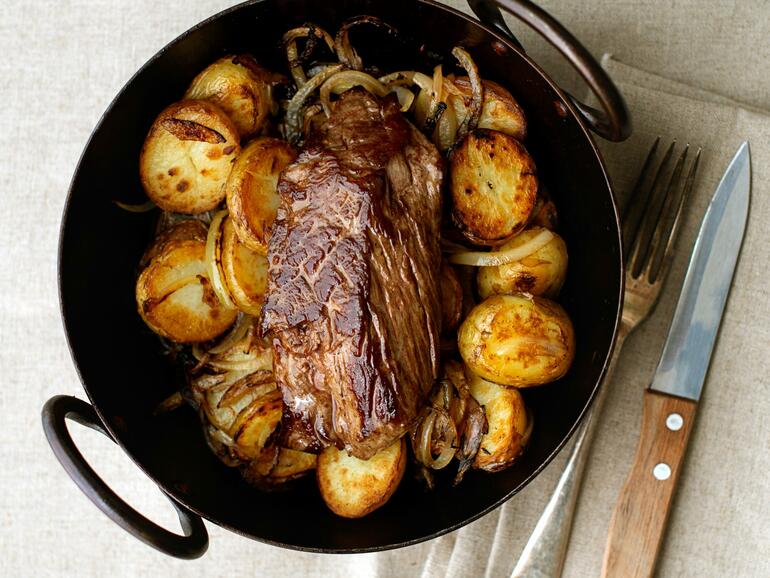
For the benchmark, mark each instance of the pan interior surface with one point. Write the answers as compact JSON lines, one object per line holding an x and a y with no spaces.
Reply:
{"x":122,"y":365}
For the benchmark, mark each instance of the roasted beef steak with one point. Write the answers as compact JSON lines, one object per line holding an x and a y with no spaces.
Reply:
{"x":352,"y":307}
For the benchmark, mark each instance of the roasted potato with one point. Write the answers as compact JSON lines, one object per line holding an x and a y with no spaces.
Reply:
{"x":251,"y":190}
{"x":540,"y":273}
{"x":517,"y":340}
{"x":174,"y":296}
{"x":244,"y":270}
{"x":240,"y":87}
{"x":500,"y":111}
{"x":352,"y":487}
{"x":493,"y":186}
{"x":451,"y":298}
{"x":187,"y":156}
{"x":509,"y":424}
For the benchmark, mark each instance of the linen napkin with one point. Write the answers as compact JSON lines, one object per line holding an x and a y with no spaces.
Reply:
{"x":719,"y":523}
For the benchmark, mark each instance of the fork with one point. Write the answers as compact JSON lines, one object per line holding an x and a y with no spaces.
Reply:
{"x":651,"y":224}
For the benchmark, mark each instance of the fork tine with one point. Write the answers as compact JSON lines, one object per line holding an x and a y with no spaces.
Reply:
{"x":631,"y":213}
{"x":663,"y":222}
{"x":640,"y":242}
{"x":670,"y":242}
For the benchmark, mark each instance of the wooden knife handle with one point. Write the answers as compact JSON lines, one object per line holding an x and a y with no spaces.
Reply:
{"x":639,"y":521}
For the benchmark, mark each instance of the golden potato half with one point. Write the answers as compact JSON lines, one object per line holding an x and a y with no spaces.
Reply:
{"x":244,"y":271}
{"x":493,"y":185}
{"x":500,"y":111}
{"x":174,"y":296}
{"x":508,"y":422}
{"x":251,"y":189}
{"x":517,"y":340}
{"x":541,"y":273}
{"x":352,"y":487}
{"x":187,"y":156}
{"x":240,"y":87}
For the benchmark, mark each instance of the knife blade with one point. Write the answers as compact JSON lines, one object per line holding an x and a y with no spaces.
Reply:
{"x":687,"y":351}
{"x":670,"y":403}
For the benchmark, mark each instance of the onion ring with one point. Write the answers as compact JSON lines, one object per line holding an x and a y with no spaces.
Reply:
{"x":312,"y":33}
{"x":345,"y":80}
{"x":212,"y":260}
{"x":293,"y":116}
{"x":496,"y":258}
{"x":237,"y":333}
{"x":342,"y":47}
{"x":471,"y":120}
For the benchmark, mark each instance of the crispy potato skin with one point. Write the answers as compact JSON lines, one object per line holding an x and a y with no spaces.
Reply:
{"x":352,"y":487}
{"x":541,"y":273}
{"x":517,"y":340}
{"x":451,"y":298}
{"x":500,"y":111}
{"x":187,"y":156}
{"x":493,"y":184}
{"x":175,"y":299}
{"x":245,"y":271}
{"x":252,"y":197}
{"x":240,"y":87}
{"x":507,"y":421}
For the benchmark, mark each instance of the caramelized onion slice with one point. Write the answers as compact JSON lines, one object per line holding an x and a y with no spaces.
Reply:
{"x":312,"y":33}
{"x":495,"y":258}
{"x":237,"y":333}
{"x":294,"y":115}
{"x":345,"y":52}
{"x":347,"y":79}
{"x":212,"y":260}
{"x":471,"y":120}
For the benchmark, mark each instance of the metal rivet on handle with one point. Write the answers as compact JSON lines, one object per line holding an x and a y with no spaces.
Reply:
{"x":661,"y":471}
{"x":674,"y":422}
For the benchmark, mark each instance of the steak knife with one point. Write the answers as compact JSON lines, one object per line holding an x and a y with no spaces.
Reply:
{"x":642,"y":509}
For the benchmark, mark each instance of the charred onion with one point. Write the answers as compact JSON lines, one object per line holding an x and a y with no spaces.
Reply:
{"x":471,"y":120}
{"x":313,"y":33}
{"x":294,"y":110}
{"x":342,"y":47}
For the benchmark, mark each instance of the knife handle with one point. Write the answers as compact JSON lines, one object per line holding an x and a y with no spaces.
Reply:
{"x":639,"y":521}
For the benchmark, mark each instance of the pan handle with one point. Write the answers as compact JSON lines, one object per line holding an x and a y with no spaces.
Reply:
{"x":56,"y":411}
{"x":612,"y":122}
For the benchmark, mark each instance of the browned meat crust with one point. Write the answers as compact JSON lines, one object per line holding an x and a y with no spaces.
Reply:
{"x":352,"y":307}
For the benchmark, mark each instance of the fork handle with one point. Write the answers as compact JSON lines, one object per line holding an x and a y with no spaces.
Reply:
{"x":639,"y":521}
{"x":545,"y":551}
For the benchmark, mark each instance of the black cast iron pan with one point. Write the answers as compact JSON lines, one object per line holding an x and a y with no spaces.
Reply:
{"x":120,"y":362}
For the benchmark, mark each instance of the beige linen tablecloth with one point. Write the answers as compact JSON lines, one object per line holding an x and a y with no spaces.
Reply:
{"x":64,"y":61}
